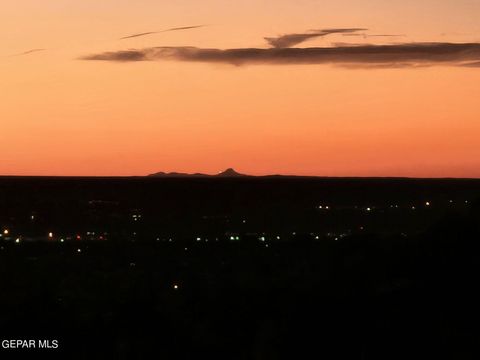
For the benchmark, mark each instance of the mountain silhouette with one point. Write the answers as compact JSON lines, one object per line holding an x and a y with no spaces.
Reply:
{"x":228,"y":173}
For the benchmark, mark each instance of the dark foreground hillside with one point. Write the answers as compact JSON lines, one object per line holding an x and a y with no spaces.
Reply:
{"x":363,"y":295}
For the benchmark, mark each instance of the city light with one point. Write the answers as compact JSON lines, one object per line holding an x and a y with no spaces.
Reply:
{"x":50,"y":235}
{"x":6,"y":232}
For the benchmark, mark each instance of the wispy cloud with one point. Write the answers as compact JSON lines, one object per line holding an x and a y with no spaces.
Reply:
{"x":138,"y":35}
{"x":472,"y":64}
{"x":162,"y":31}
{"x":386,"y":35}
{"x":289,"y":40}
{"x":29,"y":52}
{"x":368,"y":56}
{"x":184,"y":28}
{"x":374,"y":35}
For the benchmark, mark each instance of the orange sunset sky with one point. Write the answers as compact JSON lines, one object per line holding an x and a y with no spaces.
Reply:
{"x":63,"y":114}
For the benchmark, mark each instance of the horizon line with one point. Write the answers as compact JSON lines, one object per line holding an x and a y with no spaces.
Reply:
{"x":244,"y":176}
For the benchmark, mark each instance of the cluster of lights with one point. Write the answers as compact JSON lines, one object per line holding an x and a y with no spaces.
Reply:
{"x":393,"y":206}
{"x":136,"y":217}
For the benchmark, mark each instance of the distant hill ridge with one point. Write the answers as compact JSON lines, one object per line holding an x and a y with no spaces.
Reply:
{"x":228,"y":173}
{"x":232,"y":173}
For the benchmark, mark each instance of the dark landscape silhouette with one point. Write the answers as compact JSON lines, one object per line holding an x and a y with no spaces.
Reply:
{"x":242,"y":267}
{"x":230,"y":172}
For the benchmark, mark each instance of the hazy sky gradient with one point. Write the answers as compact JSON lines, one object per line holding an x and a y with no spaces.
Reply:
{"x":64,"y":116}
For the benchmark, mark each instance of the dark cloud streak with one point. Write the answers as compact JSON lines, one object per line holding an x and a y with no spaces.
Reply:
{"x":163,"y":31}
{"x":29,"y":52}
{"x":184,"y":28}
{"x":138,"y":35}
{"x":368,"y":56}
{"x":289,"y":40}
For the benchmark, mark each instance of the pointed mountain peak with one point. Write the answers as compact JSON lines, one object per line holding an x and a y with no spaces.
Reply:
{"x":230,"y":172}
